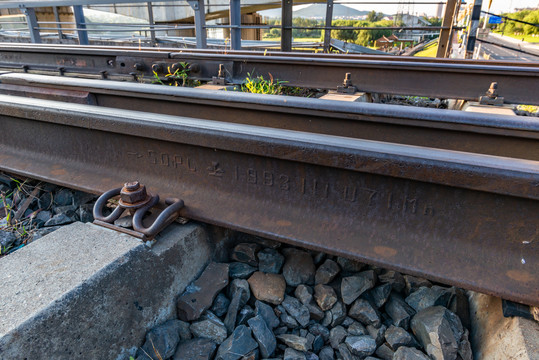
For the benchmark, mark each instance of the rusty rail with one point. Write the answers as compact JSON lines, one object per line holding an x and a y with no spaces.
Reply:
{"x":507,"y":136}
{"x":462,"y":218}
{"x":444,"y":79}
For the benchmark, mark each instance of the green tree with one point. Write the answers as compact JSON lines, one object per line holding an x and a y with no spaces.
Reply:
{"x":373,"y":16}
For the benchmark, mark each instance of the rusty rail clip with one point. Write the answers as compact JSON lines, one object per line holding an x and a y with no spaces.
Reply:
{"x":137,"y":202}
{"x":347,"y":87}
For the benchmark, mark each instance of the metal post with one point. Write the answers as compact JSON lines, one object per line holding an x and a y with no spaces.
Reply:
{"x":286,"y":25}
{"x":445,"y":34}
{"x":474,"y":26}
{"x":80,"y":24}
{"x":57,"y":19}
{"x":235,"y":22}
{"x":33,"y":27}
{"x":200,"y":22}
{"x":329,"y":22}
{"x":152,"y":23}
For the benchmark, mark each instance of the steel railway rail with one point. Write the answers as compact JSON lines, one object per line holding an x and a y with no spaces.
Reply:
{"x":444,"y":79}
{"x":459,"y":217}
{"x":508,"y":136}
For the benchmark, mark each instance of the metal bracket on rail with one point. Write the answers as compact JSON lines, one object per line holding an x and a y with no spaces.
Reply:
{"x":347,"y":87}
{"x":136,"y":202}
{"x":491,"y":96}
{"x":220,"y":78}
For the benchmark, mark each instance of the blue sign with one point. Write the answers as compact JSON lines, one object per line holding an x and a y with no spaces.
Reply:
{"x":494,"y":20}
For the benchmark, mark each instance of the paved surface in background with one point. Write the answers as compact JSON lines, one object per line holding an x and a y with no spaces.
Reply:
{"x":500,"y":53}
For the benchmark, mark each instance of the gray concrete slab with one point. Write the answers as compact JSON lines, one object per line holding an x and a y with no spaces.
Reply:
{"x":88,"y":292}
{"x":495,"y":337}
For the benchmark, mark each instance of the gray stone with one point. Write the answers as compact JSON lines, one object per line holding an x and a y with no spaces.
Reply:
{"x":44,"y":216}
{"x":337,"y":336}
{"x":268,"y":287}
{"x":295,"y":342}
{"x":363,"y":311}
{"x":68,"y":210}
{"x":289,"y":321}
{"x":240,"y":293}
{"x":296,"y":309}
{"x":161,"y":341}
{"x":348,"y":321}
{"x":124,"y":221}
{"x":291,"y":354}
{"x":7,"y":238}
{"x":356,"y":329}
{"x":237,"y":345}
{"x":345,"y":352}
{"x":304,"y":294}
{"x":298,"y":268}
{"x":200,"y":295}
{"x":326,"y":272}
{"x":338,"y":314}
{"x":465,"y":347}
{"x":310,"y":339}
{"x":64,"y":197}
{"x":60,"y":219}
{"x":280,"y":330}
{"x":244,"y":315}
{"x":384,"y":352}
{"x":209,"y":315}
{"x":246,"y":253}
{"x":325,"y":296}
{"x":220,"y":304}
{"x":315,"y":312}
{"x":380,"y":294}
{"x":394,"y":278}
{"x":361,"y":345}
{"x":326,"y":353}
{"x":318,"y":342}
{"x":353,"y":286}
{"x":253,"y":355}
{"x":349,"y":266}
{"x":270,"y":261}
{"x":407,"y":353}
{"x":439,"y":331}
{"x":377,"y":333}
{"x":263,"y":335}
{"x":209,"y":329}
{"x":318,"y":329}
{"x":184,"y":331}
{"x":239,"y":270}
{"x":426,"y":297}
{"x":84,"y":285}
{"x":195,"y":349}
{"x":266,"y":312}
{"x":311,"y":356}
{"x":414,"y":283}
{"x":397,"y":337}
{"x":326,"y":321}
{"x":85,"y":213}
{"x":399,"y":311}
{"x":45,"y":201}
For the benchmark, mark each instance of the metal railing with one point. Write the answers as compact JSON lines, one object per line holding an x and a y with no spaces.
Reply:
{"x":82,"y":28}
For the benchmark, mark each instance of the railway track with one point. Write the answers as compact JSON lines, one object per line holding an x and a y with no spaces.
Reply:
{"x":390,"y":75}
{"x":447,"y":195}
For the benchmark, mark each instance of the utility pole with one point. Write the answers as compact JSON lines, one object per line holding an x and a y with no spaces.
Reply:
{"x":474,"y":26}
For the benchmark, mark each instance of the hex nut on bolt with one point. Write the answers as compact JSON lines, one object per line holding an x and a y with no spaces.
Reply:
{"x":133,"y":193}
